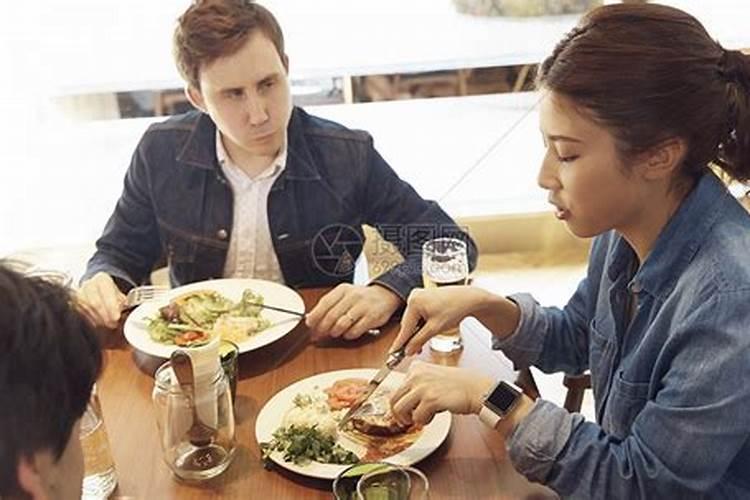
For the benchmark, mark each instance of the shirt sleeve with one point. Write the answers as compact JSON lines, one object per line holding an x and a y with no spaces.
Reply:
{"x":683,"y":440}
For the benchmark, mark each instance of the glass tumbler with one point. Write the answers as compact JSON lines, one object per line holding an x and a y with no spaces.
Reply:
{"x":99,"y":475}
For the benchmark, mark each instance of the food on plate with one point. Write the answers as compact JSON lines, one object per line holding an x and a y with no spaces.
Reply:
{"x":302,"y":445}
{"x":308,"y":433}
{"x":379,"y":425}
{"x":309,"y":429}
{"x":193,"y":318}
{"x":345,"y":392}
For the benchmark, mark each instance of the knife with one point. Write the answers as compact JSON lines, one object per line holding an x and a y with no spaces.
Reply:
{"x":391,"y":362}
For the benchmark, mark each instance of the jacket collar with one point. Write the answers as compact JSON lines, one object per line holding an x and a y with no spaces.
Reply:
{"x":677,"y":243}
{"x":200,"y":148}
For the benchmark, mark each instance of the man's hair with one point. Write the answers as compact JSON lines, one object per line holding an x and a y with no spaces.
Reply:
{"x":211,"y":29}
{"x":50,"y":358}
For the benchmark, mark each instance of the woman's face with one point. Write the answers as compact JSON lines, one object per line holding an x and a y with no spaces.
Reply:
{"x":590,"y":188}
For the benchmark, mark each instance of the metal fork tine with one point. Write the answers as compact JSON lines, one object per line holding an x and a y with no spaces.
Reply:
{"x":141,"y":294}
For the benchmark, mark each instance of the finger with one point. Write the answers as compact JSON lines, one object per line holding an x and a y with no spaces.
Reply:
{"x":424,"y":412}
{"x":91,"y":301}
{"x":342,"y":325}
{"x":313,"y":318}
{"x":399,"y":393}
{"x":109,"y":306}
{"x":88,"y":313}
{"x":362,"y":326}
{"x":409,"y":322}
{"x":339,"y":317}
{"x":404,"y":407}
{"x":420,"y":338}
{"x":113,"y":300}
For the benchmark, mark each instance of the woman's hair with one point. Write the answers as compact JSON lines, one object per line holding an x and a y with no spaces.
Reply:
{"x":649,"y":72}
{"x":211,"y":29}
{"x":49,"y":359}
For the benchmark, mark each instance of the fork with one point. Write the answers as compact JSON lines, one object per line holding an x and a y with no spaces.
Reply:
{"x":140,"y":294}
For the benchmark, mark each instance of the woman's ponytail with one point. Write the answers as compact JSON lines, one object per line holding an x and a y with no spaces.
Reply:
{"x":734,"y":150}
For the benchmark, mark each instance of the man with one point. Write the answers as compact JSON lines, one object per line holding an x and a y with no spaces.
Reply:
{"x":251,"y":186}
{"x":49,"y":360}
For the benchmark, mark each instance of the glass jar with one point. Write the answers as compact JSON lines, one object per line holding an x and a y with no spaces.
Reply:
{"x":178,"y":410}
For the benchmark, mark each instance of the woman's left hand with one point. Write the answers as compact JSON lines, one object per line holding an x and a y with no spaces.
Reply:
{"x":429,"y":389}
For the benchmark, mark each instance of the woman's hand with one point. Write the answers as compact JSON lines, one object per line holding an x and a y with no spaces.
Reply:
{"x":429,"y":389}
{"x":440,"y":309}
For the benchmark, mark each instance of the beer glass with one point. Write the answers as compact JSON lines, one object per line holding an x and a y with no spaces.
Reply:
{"x":445,"y":262}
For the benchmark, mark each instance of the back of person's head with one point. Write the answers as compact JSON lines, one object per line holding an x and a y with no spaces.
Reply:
{"x":648,"y":73}
{"x":49,"y":360}
{"x":211,"y":29}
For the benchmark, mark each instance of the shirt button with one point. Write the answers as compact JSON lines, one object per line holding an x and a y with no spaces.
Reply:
{"x":635,"y":287}
{"x":222,"y":234}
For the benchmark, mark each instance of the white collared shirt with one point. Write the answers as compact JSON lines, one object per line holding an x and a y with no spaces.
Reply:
{"x":251,"y":253}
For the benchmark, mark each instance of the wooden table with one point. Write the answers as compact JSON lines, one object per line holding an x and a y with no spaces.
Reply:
{"x":472,"y":463}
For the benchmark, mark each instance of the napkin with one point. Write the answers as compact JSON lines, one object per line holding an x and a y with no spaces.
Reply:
{"x":205,"y":361}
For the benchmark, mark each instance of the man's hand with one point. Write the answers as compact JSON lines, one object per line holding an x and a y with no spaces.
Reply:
{"x":429,"y":389}
{"x":101,"y":301}
{"x":348,"y":311}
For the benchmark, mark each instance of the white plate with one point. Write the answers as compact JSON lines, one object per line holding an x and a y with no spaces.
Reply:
{"x":271,"y":415}
{"x":273,"y":294}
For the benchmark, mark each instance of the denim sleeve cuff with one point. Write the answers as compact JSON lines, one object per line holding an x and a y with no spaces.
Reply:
{"x":122,"y":280}
{"x":399,"y":281}
{"x":524,"y":345}
{"x":536,"y":442}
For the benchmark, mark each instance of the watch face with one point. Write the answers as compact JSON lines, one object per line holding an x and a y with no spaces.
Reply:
{"x":503,"y":397}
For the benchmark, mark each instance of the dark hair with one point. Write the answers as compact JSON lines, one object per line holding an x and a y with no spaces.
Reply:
{"x":211,"y":29}
{"x":49,"y":360}
{"x":649,"y":72}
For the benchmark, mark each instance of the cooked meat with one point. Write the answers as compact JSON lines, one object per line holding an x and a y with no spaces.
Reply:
{"x":379,"y":425}
{"x":170,"y":313}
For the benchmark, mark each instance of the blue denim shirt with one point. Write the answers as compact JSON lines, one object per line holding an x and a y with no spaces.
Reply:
{"x":672,"y":390}
{"x":177,"y":208}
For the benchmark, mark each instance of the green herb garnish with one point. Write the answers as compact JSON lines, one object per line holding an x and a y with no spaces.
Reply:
{"x":302,"y":445}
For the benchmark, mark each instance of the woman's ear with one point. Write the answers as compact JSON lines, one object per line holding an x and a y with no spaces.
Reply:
{"x":664,"y":159}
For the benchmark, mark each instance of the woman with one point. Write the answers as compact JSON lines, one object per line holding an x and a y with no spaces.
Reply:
{"x":637,"y":101}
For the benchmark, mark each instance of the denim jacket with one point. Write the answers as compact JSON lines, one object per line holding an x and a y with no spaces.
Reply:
{"x":177,"y":207}
{"x":672,"y":389}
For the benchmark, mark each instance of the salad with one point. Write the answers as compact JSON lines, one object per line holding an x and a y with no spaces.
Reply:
{"x":192,"y":319}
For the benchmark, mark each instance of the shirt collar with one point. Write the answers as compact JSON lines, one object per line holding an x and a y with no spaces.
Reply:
{"x":227,"y":165}
{"x":677,"y":243}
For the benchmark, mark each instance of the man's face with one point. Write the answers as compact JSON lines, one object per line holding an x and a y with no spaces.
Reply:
{"x":247,"y":96}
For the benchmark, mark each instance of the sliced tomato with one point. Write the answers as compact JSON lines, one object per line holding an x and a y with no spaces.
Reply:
{"x":187,"y":339}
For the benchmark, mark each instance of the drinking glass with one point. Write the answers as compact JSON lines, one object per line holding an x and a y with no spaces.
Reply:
{"x":381,"y":480}
{"x":393,"y":483}
{"x":445,"y":262}
{"x":100,"y":477}
{"x":176,"y":412}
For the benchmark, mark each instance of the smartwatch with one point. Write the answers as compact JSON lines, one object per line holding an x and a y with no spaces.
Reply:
{"x":499,"y":402}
